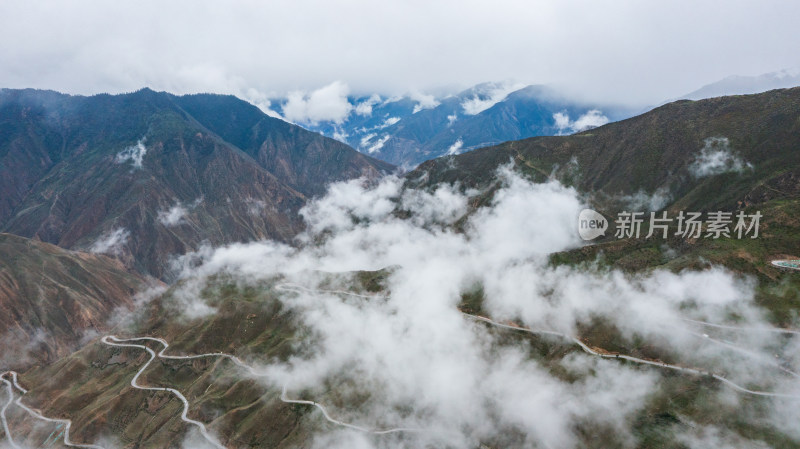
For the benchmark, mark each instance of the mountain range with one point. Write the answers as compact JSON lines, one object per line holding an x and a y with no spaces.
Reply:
{"x":407,"y":130}
{"x":754,"y":139}
{"x":99,"y":194}
{"x":743,"y":85}
{"x":147,"y":176}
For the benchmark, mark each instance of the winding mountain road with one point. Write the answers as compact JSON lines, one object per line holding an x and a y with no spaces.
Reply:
{"x":342,"y":423}
{"x":258,"y":373}
{"x":161,"y":355}
{"x":299,"y":288}
{"x":16,"y":382}
{"x":591,"y":351}
{"x":114,"y":341}
{"x":10,"y":391}
{"x":766,"y":360}
{"x":744,"y":329}
{"x":38,"y":415}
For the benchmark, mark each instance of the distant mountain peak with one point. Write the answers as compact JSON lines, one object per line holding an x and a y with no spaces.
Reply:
{"x":743,"y":85}
{"x":409,"y":129}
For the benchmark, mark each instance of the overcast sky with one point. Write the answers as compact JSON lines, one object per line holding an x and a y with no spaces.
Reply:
{"x":631,"y":51}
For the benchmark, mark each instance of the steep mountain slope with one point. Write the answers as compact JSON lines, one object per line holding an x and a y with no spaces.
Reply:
{"x":142,"y":178}
{"x":242,"y":411}
{"x":50,"y":298}
{"x":748,"y":146}
{"x":660,"y":152}
{"x":305,"y":161}
{"x":646,"y":153}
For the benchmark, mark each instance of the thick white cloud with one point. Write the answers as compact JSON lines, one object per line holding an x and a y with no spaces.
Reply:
{"x":327,"y":103}
{"x":455,"y":148}
{"x":135,"y":154}
{"x":390,"y":121}
{"x":259,"y":99}
{"x":490,"y":97}
{"x":716,"y":158}
{"x":412,"y":359}
{"x":591,"y":119}
{"x":377,"y":144}
{"x":628,"y":50}
{"x":561,"y":120}
{"x":365,"y":107}
{"x":424,"y":101}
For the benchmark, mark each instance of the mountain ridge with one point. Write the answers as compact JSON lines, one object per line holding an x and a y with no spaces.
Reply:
{"x":404,"y":132}
{"x":643,"y":153}
{"x":652,"y":151}
{"x":78,"y":170}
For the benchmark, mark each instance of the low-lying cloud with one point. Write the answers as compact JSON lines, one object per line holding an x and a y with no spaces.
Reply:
{"x":365,"y":107}
{"x":328,"y":103}
{"x":423,"y":101}
{"x":176,"y":214}
{"x":642,"y":201}
{"x":591,"y":119}
{"x":488,"y":96}
{"x":111,"y":242}
{"x":173,"y":216}
{"x":412,"y":359}
{"x":135,"y":154}
{"x":455,"y":148}
{"x":374,"y":145}
{"x":716,"y":157}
